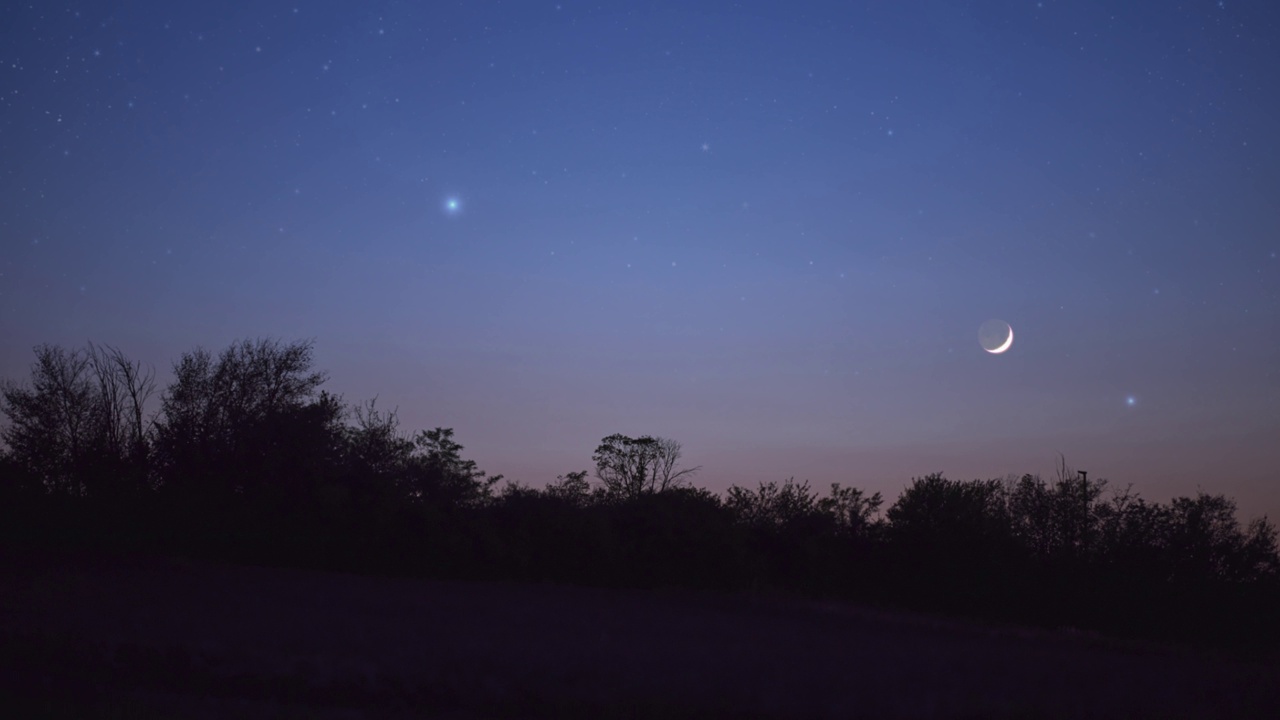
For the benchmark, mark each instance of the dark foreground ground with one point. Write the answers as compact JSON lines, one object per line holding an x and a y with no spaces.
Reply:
{"x":156,"y":638}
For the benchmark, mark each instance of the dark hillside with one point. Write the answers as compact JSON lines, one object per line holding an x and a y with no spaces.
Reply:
{"x":197,"y":639}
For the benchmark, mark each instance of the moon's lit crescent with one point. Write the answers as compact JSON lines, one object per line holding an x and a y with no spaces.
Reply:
{"x":995,"y":336}
{"x":1005,"y":346}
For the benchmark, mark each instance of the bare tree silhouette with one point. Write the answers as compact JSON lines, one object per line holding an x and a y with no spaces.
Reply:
{"x":80,"y":426}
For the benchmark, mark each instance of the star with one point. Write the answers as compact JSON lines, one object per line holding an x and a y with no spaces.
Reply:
{"x":706,"y":147}
{"x":452,"y":205}
{"x":1131,"y":401}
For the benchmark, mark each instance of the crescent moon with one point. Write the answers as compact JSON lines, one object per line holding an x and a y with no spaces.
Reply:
{"x":1005,"y":346}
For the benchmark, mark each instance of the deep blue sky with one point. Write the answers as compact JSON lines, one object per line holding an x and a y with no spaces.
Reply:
{"x":767,"y":230}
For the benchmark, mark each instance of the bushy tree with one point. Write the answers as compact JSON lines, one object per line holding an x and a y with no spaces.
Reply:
{"x":1260,"y":556}
{"x":1206,"y":543}
{"x":852,"y":510}
{"x":846,"y":510}
{"x":1059,"y":521}
{"x":772,"y":505}
{"x":1031,"y":510}
{"x":940,"y":513}
{"x":236,"y":423}
{"x":49,"y":422}
{"x":377,"y":454}
{"x":1131,"y":537}
{"x":630,"y":467}
{"x":442,"y":478}
{"x":572,"y":488}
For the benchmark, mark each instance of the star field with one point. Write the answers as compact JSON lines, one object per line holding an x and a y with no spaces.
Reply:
{"x":768,"y":231}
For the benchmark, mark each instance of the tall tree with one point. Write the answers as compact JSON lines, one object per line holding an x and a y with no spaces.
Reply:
{"x":1206,"y":542}
{"x":253,"y":411}
{"x":442,"y":477}
{"x":631,"y":467}
{"x":121,"y":429}
{"x":49,"y":426}
{"x":852,"y":509}
{"x":937,"y":514}
{"x":80,"y":427}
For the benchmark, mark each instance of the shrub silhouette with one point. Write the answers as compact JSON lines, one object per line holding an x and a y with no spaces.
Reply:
{"x":248,"y":459}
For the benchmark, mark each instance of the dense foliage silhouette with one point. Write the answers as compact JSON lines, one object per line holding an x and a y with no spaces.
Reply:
{"x":247,"y":459}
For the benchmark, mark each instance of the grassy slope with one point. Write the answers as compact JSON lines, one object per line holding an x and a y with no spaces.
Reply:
{"x":113,"y":638}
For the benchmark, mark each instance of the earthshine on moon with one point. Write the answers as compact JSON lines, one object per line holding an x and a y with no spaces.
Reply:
{"x":995,"y":336}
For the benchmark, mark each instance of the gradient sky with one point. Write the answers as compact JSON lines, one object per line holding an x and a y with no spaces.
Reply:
{"x":770,"y":231}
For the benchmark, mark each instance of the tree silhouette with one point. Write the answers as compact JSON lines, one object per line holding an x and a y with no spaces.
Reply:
{"x":1061,"y":521}
{"x":1260,"y":555}
{"x":231,"y":424}
{"x":853,"y":510}
{"x":121,"y":429}
{"x":571,"y":487}
{"x":937,"y":513}
{"x":440,"y":476}
{"x":1206,"y":542}
{"x":79,"y":428}
{"x":1131,"y":537}
{"x":953,"y":537}
{"x":773,"y":506}
{"x":49,"y":428}
{"x":377,"y":454}
{"x":631,"y":467}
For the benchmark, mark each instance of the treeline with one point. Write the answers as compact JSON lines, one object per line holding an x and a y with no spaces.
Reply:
{"x":246,"y":459}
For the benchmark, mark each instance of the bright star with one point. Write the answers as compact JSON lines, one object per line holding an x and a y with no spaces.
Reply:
{"x":1131,"y":401}
{"x":452,"y":205}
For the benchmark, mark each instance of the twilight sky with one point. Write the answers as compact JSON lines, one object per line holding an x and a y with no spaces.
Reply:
{"x":770,"y":231}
